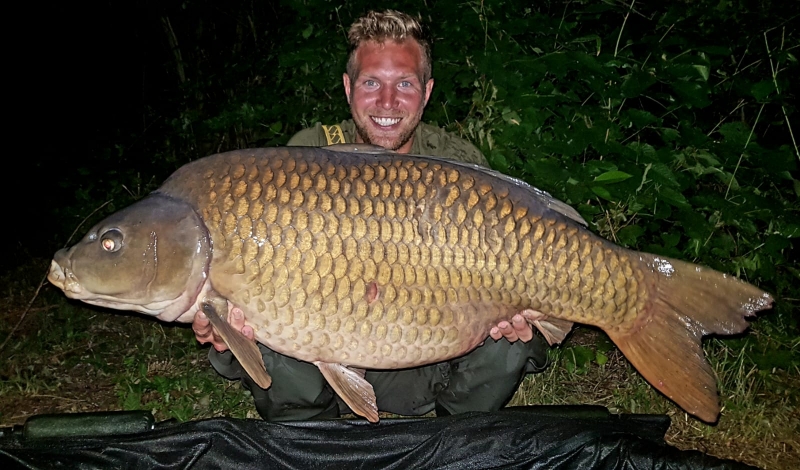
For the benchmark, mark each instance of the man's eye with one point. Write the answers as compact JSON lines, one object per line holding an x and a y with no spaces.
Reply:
{"x":405,"y":84}
{"x":370,"y":83}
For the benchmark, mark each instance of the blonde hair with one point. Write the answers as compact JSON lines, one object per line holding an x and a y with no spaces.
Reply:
{"x":389,"y":25}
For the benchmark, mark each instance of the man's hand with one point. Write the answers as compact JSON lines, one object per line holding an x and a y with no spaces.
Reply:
{"x":517,"y":329}
{"x":205,"y":333}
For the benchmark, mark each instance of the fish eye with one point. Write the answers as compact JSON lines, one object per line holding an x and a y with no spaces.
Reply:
{"x":111,"y":241}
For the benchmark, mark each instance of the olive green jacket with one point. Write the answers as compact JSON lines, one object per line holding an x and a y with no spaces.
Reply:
{"x":428,"y":140}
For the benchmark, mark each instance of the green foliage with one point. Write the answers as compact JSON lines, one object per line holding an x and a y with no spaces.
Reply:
{"x":664,"y":125}
{"x":169,"y":375}
{"x":578,"y":359}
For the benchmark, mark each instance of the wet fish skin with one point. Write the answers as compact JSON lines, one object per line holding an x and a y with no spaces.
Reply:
{"x":392,"y":261}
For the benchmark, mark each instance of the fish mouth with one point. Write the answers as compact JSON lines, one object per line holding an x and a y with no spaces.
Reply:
{"x":64,"y":279}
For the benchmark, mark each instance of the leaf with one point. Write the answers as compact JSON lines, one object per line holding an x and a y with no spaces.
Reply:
{"x":307,"y":32}
{"x":694,"y":93}
{"x":703,"y":70}
{"x":628,"y":235}
{"x":601,"y":358}
{"x":511,"y":117}
{"x":578,"y":358}
{"x":673,"y":197}
{"x":602,"y":192}
{"x":661,"y":173}
{"x":612,"y":177}
{"x":641,"y":118}
{"x":636,"y":83}
{"x":762,"y":89}
{"x":670,"y":239}
{"x":670,"y":135}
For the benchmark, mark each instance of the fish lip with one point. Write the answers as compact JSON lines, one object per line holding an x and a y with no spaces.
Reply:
{"x":64,"y":279}
{"x":56,"y":275}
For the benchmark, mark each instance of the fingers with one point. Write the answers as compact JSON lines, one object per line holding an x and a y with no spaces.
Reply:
{"x":498,"y":332}
{"x":202,"y":328}
{"x":205,"y":333}
{"x":522,"y":328}
{"x":236,"y":319}
{"x":516,"y":330}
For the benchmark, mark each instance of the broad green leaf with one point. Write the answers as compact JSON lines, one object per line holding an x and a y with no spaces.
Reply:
{"x":602,"y":192}
{"x":703,"y":70}
{"x":511,"y":117}
{"x":670,"y":135}
{"x":641,"y":118}
{"x":578,"y":358}
{"x":735,"y":134}
{"x":673,"y":197}
{"x":636,"y":83}
{"x":629,"y":234}
{"x":646,"y":151}
{"x":762,"y":89}
{"x":670,"y":239}
{"x":695,"y":94}
{"x":662,"y":173}
{"x":601,"y":358}
{"x":612,"y":177}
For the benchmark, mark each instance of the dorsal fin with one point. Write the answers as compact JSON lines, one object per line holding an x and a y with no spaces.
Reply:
{"x":542,"y":197}
{"x":358,"y":148}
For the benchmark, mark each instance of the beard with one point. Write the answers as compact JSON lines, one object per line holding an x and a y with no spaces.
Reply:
{"x":365,"y":128}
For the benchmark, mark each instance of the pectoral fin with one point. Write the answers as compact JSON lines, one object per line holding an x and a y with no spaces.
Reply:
{"x":351,"y":386}
{"x":245,"y":350}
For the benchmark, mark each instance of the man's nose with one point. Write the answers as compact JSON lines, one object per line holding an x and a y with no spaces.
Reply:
{"x":387,"y":98}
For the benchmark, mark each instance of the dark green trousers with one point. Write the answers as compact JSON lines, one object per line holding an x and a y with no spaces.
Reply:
{"x":483,"y":380}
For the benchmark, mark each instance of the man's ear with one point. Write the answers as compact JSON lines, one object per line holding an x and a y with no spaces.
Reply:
{"x":346,"y":83}
{"x":428,"y":90}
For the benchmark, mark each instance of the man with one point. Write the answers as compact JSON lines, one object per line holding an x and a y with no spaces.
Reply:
{"x":388,"y":83}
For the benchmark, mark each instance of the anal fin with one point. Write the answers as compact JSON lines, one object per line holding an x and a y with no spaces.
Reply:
{"x":245,"y":350}
{"x":351,"y":386}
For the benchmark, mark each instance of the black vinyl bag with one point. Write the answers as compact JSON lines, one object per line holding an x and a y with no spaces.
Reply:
{"x":513,"y":438}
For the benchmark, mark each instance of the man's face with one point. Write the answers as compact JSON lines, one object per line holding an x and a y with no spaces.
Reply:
{"x":387,"y":96}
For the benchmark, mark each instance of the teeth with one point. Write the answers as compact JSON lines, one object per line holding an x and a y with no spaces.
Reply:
{"x":383,"y":121}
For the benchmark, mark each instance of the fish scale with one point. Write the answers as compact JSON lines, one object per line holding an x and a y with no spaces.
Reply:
{"x":333,"y":229}
{"x":375,"y":260}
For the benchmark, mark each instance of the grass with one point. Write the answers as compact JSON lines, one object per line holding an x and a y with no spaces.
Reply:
{"x":69,"y":357}
{"x":760,"y":419}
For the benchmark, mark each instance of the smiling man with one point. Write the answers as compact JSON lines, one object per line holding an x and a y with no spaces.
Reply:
{"x":388,"y":83}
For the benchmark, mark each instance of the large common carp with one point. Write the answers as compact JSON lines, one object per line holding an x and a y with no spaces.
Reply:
{"x":359,"y":261}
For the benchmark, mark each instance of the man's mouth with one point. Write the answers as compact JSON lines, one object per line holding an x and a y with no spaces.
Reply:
{"x":385,"y":121}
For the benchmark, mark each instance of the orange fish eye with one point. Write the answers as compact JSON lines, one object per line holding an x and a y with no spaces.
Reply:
{"x":111,"y":241}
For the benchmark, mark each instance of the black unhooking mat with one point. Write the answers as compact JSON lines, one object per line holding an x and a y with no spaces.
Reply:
{"x":514,"y":438}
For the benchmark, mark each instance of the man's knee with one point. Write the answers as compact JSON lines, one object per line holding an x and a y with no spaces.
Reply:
{"x":487,"y":378}
{"x":298,"y":391}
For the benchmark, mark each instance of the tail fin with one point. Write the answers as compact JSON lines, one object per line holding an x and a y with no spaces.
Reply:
{"x":687,"y":302}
